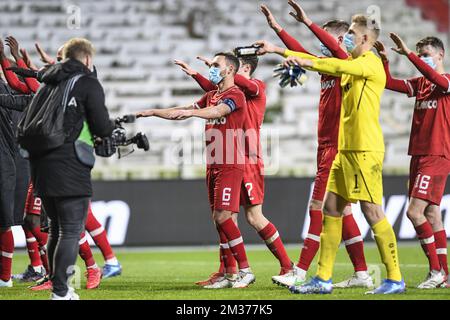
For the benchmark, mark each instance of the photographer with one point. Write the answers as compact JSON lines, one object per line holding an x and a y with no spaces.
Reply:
{"x":62,"y":176}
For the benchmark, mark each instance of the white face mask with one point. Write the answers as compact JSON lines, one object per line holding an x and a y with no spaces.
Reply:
{"x":429,"y":61}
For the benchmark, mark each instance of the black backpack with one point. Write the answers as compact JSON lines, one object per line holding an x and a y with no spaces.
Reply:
{"x":41,"y":127}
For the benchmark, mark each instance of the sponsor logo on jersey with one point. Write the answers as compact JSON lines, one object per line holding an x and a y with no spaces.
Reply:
{"x":328,"y":84}
{"x":427,"y":104}
{"x":217,"y":121}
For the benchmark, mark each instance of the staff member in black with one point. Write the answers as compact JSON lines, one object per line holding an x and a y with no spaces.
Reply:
{"x":62,"y":176}
{"x":14,"y":177}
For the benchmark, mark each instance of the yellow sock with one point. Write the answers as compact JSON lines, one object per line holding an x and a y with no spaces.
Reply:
{"x":387,"y":246}
{"x":330,"y":238}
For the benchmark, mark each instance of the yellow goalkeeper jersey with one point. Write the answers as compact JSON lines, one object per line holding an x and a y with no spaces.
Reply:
{"x":362,"y":81}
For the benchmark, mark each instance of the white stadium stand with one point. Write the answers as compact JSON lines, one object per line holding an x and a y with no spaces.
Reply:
{"x":136,"y":43}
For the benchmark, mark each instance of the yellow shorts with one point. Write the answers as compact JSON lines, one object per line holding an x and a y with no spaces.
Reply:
{"x":357,"y":175}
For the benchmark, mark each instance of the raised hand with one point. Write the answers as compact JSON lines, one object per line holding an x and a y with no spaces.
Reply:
{"x":299,"y":14}
{"x":379,"y":46}
{"x":402,"y":48}
{"x":27,"y":60}
{"x":13,"y":45}
{"x":45,"y":58}
{"x":265,"y":47}
{"x":271,"y":19}
{"x":207,"y":61}
{"x":185,"y":67}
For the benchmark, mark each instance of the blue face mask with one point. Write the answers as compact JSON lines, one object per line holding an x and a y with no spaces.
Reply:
{"x":325,"y":51}
{"x":429,"y":61}
{"x":349,"y":42}
{"x":214,"y":75}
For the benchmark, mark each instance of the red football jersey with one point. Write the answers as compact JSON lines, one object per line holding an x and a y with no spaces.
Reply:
{"x":225,"y":136}
{"x":329,"y":110}
{"x":430,"y":129}
{"x":256,"y":105}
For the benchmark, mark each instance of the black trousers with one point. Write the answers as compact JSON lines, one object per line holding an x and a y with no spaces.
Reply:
{"x":67,"y":217}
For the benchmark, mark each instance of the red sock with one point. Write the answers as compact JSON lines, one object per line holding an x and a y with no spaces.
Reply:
{"x":42,"y":239}
{"x":353,"y":243}
{"x":312,"y":242}
{"x":98,"y":234}
{"x":273,"y":241}
{"x":440,"y":239}
{"x":86,"y":252}
{"x":222,"y":263}
{"x":235,"y":242}
{"x":32,"y":248}
{"x":229,"y":262}
{"x":426,"y":237}
{"x":7,"y":250}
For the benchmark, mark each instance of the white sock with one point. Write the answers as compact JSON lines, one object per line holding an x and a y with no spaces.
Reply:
{"x":301,"y":273}
{"x":94,"y":266}
{"x":362,"y":274}
{"x":38,"y":268}
{"x":112,"y":261}
{"x":246,"y":270}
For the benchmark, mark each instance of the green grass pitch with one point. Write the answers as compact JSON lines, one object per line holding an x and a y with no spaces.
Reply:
{"x":163,"y":275}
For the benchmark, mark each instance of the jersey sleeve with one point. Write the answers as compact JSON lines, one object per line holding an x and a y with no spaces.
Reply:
{"x":328,"y":40}
{"x":439,"y":80}
{"x":12,"y":78}
{"x":32,"y":83}
{"x":412,"y":85}
{"x":235,"y":100}
{"x":204,"y":83}
{"x":250,"y":87}
{"x":290,"y":42}
{"x":202,"y":103}
{"x":394,"y":84}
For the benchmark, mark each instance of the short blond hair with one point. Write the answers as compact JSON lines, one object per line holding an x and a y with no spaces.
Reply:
{"x":78,"y":49}
{"x":364,"y":21}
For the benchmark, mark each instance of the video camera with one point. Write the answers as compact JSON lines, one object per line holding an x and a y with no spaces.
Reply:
{"x":246,"y":51}
{"x":106,"y":147}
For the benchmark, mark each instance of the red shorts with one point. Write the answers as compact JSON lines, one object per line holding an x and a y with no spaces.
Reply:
{"x":252,"y":188}
{"x":224,"y":188}
{"x":325,"y":158}
{"x":33,"y":204}
{"x":427,"y":177}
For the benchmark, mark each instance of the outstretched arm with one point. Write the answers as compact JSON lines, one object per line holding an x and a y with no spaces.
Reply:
{"x":439,"y":80}
{"x":267,"y":47}
{"x":213,"y":112}
{"x":10,"y":76}
{"x":204,"y":83}
{"x":162,"y":113}
{"x":12,"y":43}
{"x":328,"y":40}
{"x":287,"y":39}
{"x":391,"y":83}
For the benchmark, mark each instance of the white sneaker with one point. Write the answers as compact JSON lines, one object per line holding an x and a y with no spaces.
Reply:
{"x":70,"y":295}
{"x":244,"y":280}
{"x":360,"y":279}
{"x":6,"y":284}
{"x":295,"y":277}
{"x":225,"y":282}
{"x":434,"y":280}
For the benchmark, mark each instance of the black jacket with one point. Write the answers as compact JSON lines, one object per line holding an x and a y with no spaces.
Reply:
{"x":59,"y":173}
{"x":14,"y":170}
